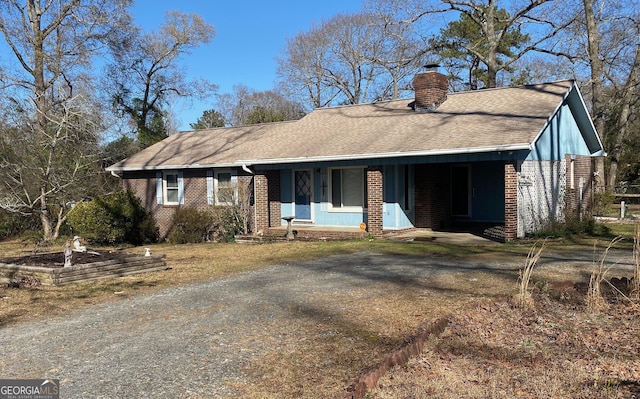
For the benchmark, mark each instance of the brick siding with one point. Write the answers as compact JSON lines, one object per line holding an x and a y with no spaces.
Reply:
{"x":432,"y":197}
{"x":510,"y":202}
{"x":375,"y":198}
{"x":577,"y":201}
{"x":275,"y":201}
{"x":143,"y":184}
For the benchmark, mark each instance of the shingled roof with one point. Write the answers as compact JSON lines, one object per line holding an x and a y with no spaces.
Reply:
{"x":473,"y":121}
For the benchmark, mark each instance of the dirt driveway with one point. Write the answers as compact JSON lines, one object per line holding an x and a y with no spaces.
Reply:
{"x":202,"y":339}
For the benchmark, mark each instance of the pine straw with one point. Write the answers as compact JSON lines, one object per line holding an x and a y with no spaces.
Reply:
{"x":500,"y":351}
{"x":335,"y":345}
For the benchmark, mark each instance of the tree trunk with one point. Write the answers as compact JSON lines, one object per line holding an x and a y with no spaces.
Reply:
{"x":597,"y":85}
{"x":40,"y":90}
{"x":45,"y":217}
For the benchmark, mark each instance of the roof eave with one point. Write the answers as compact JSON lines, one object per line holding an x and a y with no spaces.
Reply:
{"x":114,"y":168}
{"x":404,"y":154}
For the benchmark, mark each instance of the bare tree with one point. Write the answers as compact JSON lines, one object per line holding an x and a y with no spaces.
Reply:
{"x":613,"y":56}
{"x":245,"y":106}
{"x":351,"y":59}
{"x":398,"y":50}
{"x":53,"y":43}
{"x":146,"y":74}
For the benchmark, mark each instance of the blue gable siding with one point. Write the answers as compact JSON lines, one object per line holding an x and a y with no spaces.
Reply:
{"x":561,"y":136}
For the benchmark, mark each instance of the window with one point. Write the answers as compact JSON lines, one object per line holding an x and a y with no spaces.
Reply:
{"x":348,"y":189}
{"x":404,"y":180}
{"x":169,"y":188}
{"x":222,"y":187}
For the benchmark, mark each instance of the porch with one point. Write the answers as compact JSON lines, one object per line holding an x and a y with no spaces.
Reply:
{"x":461,"y":236}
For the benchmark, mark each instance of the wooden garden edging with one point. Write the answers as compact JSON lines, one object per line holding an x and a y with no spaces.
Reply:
{"x":83,"y":272}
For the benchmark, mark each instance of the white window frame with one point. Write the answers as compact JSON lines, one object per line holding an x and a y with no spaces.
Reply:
{"x":234,"y":182}
{"x":166,"y":188}
{"x":342,"y":208}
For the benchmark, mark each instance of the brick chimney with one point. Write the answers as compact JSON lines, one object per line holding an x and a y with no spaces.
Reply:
{"x":431,"y":89}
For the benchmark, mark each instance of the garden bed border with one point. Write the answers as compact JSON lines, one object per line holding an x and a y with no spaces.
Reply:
{"x":13,"y":273}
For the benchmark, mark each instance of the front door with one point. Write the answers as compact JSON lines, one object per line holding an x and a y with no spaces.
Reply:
{"x":460,"y":191}
{"x":303,"y":189}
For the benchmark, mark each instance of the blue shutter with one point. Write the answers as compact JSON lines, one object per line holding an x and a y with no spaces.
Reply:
{"x":180,"y":189}
{"x":159,"y":188}
{"x":210,"y":187}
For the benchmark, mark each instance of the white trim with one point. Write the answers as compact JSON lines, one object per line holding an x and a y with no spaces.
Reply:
{"x":159,"y":188}
{"x":358,"y":209}
{"x":403,"y":154}
{"x":209,"y":186}
{"x":165,"y":188}
{"x":233,"y":181}
{"x":324,"y":158}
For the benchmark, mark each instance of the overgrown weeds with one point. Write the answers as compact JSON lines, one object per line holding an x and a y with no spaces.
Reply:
{"x":524,"y":300}
{"x":572,"y":225}
{"x":635,"y":284}
{"x":594,"y":299}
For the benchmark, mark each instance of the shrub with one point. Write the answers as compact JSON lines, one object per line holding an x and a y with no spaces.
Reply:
{"x":571,"y":226}
{"x":226,"y":224}
{"x":602,"y":202}
{"x":112,"y":219}
{"x":190,"y":225}
{"x":15,"y":224}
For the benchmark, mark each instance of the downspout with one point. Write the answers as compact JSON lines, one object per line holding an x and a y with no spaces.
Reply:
{"x":246,"y":169}
{"x":117,"y":176}
{"x":249,"y":171}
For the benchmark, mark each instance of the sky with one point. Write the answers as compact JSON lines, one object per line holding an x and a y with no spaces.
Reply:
{"x":250,"y":34}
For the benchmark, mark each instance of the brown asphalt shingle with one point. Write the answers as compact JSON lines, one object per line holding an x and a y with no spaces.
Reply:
{"x":465,"y":121}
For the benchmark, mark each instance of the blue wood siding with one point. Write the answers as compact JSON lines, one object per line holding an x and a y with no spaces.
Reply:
{"x":487,"y":197}
{"x":552,"y":146}
{"x":394,"y":214}
{"x":487,"y":192}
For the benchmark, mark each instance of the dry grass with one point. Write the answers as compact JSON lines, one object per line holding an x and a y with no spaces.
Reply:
{"x":496,"y":351}
{"x":489,"y":349}
{"x":635,"y":284}
{"x":524,"y":299}
{"x":564,"y":344}
{"x":595,"y":300}
{"x":187,"y":263}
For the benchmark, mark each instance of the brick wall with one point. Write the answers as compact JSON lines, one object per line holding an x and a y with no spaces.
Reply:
{"x":143,"y":184}
{"x":510,"y":202}
{"x":275,"y":201}
{"x":261,"y":193}
{"x":375,"y":198}
{"x":579,"y":198}
{"x":432,"y":197}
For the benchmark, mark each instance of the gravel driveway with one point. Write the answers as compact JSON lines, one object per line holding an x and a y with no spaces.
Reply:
{"x":189,"y":341}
